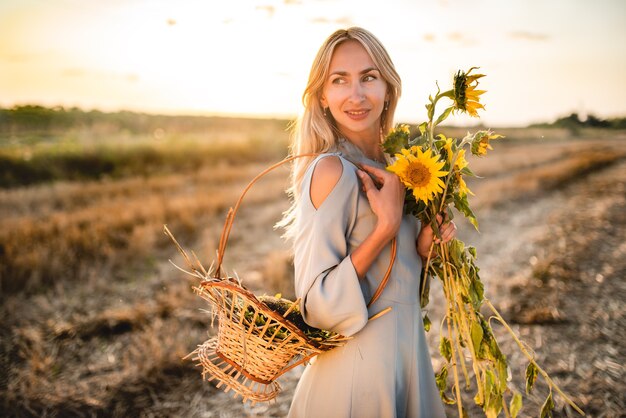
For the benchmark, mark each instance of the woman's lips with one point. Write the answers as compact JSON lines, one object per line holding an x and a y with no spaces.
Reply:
{"x":357,"y":114}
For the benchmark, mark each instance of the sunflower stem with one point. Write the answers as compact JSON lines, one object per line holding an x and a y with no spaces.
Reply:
{"x":450,"y":311}
{"x":531,"y":358}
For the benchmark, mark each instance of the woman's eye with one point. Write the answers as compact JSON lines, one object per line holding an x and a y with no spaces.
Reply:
{"x":369,"y":77}
{"x":338,"y":80}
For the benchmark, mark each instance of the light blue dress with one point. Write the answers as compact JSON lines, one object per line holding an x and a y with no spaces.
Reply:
{"x":384,"y":371}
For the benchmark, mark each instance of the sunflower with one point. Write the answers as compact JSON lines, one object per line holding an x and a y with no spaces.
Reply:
{"x":460,"y":162}
{"x":466,"y":97}
{"x":420,"y":171}
{"x":480,"y":142}
{"x":459,"y":165}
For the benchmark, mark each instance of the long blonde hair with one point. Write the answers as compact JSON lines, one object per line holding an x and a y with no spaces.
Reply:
{"x":313,"y":131}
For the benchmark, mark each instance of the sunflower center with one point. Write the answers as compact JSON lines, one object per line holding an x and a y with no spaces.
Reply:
{"x":418,"y":174}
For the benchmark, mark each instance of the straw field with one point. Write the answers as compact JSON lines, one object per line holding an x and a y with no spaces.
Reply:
{"x":95,"y":320}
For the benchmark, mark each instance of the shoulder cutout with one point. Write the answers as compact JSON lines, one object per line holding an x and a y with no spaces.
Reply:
{"x":326,"y":175}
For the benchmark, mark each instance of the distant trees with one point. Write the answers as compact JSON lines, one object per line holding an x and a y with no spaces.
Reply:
{"x":40,"y":119}
{"x":573,"y":121}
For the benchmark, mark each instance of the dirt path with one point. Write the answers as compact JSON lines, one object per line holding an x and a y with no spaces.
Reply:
{"x":552,"y":262}
{"x":554,"y":266}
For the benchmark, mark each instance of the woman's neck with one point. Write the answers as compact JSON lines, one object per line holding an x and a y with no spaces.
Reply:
{"x":369,"y":148}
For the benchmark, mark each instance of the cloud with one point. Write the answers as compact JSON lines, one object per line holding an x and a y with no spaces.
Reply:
{"x":461,"y":38}
{"x":529,"y":36}
{"x":267,"y":8}
{"x":342,"y":21}
{"x":19,"y":57}
{"x":100,"y":75}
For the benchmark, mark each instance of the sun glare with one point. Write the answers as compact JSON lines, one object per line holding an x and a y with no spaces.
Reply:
{"x":253,"y":57}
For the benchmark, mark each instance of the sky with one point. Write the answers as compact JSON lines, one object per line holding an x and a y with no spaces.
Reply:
{"x":543,"y":59}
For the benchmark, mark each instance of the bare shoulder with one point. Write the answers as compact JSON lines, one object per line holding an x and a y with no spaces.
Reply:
{"x":326,"y":175}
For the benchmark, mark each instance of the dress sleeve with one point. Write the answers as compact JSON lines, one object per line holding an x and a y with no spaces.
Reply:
{"x":325,"y":277}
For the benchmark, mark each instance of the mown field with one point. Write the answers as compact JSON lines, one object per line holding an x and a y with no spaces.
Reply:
{"x":95,"y":320}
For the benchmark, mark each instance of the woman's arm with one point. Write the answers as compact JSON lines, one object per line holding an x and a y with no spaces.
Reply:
{"x":386,"y":204}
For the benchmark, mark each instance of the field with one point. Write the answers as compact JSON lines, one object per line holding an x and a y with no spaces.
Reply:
{"x":95,"y":320}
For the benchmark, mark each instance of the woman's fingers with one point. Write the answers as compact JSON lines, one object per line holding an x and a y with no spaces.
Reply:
{"x":368,"y":184}
{"x":447,"y":232}
{"x":378,"y":173}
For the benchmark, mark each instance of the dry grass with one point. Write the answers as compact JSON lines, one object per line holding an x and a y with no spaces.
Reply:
{"x":84,"y":230}
{"x":95,"y":321}
{"x":528,"y":176}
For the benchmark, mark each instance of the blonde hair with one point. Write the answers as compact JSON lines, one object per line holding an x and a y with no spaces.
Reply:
{"x":313,"y":131}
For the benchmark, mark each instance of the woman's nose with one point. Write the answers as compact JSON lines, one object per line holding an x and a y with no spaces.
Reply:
{"x":357,"y":92}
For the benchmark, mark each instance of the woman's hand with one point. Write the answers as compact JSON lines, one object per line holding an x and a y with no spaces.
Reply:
{"x":426,"y":236}
{"x":386,"y":201}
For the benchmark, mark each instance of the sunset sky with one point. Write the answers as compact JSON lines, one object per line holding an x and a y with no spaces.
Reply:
{"x":543,"y":59}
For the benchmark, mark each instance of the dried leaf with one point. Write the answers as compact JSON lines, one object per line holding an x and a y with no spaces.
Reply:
{"x":531,"y":377}
{"x":516,"y":405}
{"x":441,"y":378}
{"x":445,"y":348}
{"x":502,"y":369}
{"x":477,"y":334}
{"x":548,"y":406}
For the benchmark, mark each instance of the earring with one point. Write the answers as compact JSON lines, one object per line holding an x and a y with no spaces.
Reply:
{"x":324,"y":109}
{"x":386,"y":106}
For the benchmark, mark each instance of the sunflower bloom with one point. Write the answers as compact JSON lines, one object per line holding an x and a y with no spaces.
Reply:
{"x":459,"y":165}
{"x":463,"y":189}
{"x":466,"y":97}
{"x":460,"y":162}
{"x":420,"y":171}
{"x":480,"y":142}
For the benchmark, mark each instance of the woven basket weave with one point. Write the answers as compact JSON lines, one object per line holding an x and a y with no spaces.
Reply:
{"x":247,"y":356}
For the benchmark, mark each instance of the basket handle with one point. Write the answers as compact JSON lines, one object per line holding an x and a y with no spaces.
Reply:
{"x":230,"y":218}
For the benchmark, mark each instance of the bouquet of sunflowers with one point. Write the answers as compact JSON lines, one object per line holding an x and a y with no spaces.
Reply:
{"x":433,"y":168}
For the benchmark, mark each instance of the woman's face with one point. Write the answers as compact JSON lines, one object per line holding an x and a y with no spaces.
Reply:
{"x":354,"y":92}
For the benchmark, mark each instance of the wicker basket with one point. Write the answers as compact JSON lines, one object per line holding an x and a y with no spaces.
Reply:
{"x":248,"y":354}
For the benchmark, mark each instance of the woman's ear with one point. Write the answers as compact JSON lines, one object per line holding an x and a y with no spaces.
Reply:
{"x":323,"y":102}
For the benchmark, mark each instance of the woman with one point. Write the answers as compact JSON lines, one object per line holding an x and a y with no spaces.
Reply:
{"x":347,"y":209}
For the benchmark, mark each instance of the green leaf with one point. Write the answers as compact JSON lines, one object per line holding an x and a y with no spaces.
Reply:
{"x":462,"y":205}
{"x":425,"y":294}
{"x":427,"y":323}
{"x":493,"y":402}
{"x":476,"y":332}
{"x":441,"y":378}
{"x":444,"y":115}
{"x":548,"y":406}
{"x":478,"y":400}
{"x":476,"y":292}
{"x":516,"y":405}
{"x":488,"y":388}
{"x":531,"y":376}
{"x":456,"y":248}
{"x":472,"y":251}
{"x":396,"y":140}
{"x":422,"y":127}
{"x":445,"y":348}
{"x":503,"y":374}
{"x":467,"y":172}
{"x":446,"y":399}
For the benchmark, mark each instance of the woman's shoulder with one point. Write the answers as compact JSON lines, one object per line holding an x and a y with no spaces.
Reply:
{"x":329,"y":172}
